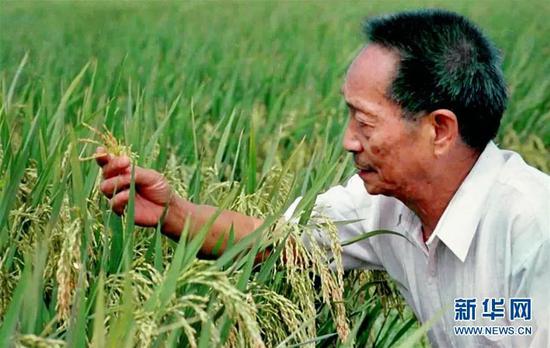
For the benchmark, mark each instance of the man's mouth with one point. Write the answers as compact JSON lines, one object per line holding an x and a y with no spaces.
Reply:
{"x":366,"y":172}
{"x":366,"y":169}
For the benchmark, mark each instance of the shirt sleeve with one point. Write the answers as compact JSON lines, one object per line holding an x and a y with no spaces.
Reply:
{"x":346,"y":206}
{"x":531,"y":281}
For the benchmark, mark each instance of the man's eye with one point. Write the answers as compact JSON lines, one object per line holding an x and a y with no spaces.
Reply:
{"x":363,"y":122}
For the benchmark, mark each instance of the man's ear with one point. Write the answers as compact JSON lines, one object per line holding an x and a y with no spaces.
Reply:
{"x":444,"y":130}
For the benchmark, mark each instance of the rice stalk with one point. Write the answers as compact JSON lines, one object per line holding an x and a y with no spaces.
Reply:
{"x":33,"y":341}
{"x":238,"y":306}
{"x":68,"y":268}
{"x":277,"y":316}
{"x":112,"y":145}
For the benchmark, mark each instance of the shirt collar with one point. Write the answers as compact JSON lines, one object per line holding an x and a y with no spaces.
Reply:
{"x":457,"y":226}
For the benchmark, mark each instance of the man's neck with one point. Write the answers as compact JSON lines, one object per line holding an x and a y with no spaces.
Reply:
{"x":434,"y":194}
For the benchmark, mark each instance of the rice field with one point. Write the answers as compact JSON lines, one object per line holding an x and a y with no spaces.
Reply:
{"x":238,"y":104}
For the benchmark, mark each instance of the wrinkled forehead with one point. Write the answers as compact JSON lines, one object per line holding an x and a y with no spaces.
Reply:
{"x":372,"y":70}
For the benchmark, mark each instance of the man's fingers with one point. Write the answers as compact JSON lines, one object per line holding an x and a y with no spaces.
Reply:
{"x":115,"y":184}
{"x":142,"y":177}
{"x":117,"y":165}
{"x":147,"y":177}
{"x":102,"y":157}
{"x":119,"y":201}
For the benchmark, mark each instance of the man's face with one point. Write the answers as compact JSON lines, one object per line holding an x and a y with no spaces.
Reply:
{"x":390,"y":152}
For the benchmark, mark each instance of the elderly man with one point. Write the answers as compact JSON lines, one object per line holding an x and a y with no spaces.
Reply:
{"x":426,"y":96}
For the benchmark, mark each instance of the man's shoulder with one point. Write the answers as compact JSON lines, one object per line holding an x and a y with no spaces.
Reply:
{"x":522,"y":189}
{"x":520,"y":176}
{"x":520,"y":199}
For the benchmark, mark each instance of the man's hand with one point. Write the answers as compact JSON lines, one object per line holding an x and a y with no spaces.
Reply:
{"x":153,"y":193}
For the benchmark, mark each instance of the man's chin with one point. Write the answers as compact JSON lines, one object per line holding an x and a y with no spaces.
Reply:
{"x":372,"y":189}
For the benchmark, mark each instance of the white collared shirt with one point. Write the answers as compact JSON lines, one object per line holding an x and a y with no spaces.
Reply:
{"x":492,"y":242}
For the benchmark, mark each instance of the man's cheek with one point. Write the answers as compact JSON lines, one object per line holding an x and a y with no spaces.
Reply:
{"x":380,"y":149}
{"x":375,"y":150}
{"x":390,"y":172}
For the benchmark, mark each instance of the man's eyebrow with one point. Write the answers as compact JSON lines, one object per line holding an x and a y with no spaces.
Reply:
{"x":361,"y":107}
{"x":352,"y":105}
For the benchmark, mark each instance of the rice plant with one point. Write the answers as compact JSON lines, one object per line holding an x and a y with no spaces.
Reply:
{"x":237,"y":104}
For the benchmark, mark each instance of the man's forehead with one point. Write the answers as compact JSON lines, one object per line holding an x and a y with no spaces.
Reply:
{"x":374,"y":61}
{"x":371,"y":72}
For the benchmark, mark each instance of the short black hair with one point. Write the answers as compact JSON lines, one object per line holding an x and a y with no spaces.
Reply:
{"x":445,"y":62}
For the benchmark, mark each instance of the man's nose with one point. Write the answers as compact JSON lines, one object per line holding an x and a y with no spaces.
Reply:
{"x":351,"y":142}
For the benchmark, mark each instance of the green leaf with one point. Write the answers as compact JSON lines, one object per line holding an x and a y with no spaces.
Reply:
{"x":413,"y":338}
{"x":222,"y":146}
{"x":371,"y":234}
{"x":10,"y":320}
{"x":14,"y":81}
{"x":16,"y":170}
{"x":251,"y":167}
{"x":195,"y":185}
{"x":99,"y":335}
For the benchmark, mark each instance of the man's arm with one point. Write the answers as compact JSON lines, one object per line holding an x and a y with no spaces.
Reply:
{"x":180,"y":210}
{"x":153,"y":194}
{"x":531,"y":281}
